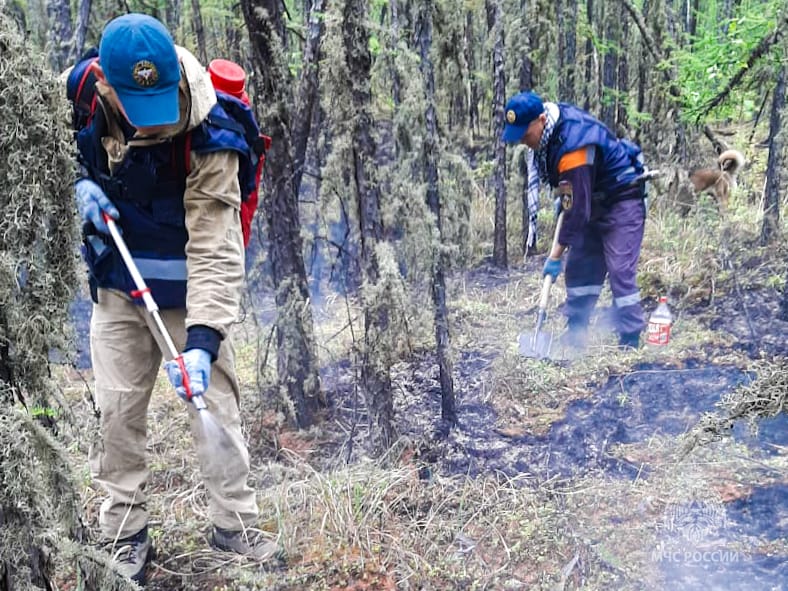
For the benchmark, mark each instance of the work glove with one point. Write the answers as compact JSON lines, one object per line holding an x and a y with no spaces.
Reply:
{"x":552,"y":267}
{"x":92,"y":202}
{"x":198,"y":368}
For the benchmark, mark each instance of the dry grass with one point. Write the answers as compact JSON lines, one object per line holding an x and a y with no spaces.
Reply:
{"x":401,"y":524}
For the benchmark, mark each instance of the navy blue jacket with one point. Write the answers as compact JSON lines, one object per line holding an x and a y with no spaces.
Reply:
{"x":609,"y":177}
{"x":148,"y":189}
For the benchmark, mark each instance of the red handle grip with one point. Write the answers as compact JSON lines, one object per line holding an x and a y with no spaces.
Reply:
{"x":185,"y":374}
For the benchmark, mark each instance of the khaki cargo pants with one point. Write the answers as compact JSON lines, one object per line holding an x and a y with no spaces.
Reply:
{"x":126,"y":361}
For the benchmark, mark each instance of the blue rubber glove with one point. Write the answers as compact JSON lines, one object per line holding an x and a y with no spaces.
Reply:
{"x":91,"y":202}
{"x":198,"y":368}
{"x":552,"y":267}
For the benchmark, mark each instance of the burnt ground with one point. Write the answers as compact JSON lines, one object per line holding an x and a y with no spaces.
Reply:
{"x":723,"y":541}
{"x":602,"y":430}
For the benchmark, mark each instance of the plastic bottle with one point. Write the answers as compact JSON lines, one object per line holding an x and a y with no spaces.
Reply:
{"x":658,"y":332}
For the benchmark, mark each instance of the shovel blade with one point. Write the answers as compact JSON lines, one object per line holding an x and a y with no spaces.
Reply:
{"x":535,"y":345}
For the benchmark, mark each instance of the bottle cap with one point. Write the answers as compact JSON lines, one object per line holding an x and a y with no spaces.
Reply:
{"x":228,"y":77}
{"x":663,"y":299}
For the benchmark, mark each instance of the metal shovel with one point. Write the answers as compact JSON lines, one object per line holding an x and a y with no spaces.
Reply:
{"x":537,"y":343}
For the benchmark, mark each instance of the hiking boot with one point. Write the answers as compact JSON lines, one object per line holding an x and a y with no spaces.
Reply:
{"x":132,"y":555}
{"x":250,"y":542}
{"x":629,"y":340}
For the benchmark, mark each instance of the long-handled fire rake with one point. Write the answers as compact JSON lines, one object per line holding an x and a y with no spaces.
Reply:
{"x":143,"y":291}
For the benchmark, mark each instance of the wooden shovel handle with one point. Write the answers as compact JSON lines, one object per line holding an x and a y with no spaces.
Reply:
{"x":548,"y":279}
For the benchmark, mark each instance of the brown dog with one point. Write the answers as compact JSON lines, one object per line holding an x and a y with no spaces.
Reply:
{"x":715,"y":181}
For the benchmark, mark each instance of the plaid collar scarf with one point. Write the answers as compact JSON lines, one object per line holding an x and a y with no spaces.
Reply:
{"x":540,"y":154}
{"x":537,"y":170}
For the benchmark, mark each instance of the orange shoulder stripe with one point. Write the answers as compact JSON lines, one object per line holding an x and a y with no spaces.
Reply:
{"x":575,"y":159}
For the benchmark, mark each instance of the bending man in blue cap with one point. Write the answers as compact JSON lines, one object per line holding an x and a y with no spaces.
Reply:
{"x":603,"y":218}
{"x":155,"y":111}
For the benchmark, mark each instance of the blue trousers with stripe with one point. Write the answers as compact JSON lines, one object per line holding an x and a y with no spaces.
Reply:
{"x":611,"y":247}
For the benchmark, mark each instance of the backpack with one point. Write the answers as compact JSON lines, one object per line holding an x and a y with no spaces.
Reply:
{"x":81,"y":92}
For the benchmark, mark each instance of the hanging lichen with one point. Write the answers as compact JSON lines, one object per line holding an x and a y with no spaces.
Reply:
{"x":39,"y":504}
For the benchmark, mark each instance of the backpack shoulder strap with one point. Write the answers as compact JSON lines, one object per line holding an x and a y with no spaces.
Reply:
{"x":81,"y":89}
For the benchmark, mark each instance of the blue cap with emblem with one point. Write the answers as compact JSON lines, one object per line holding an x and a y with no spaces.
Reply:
{"x":137,"y":55}
{"x":521,"y":109}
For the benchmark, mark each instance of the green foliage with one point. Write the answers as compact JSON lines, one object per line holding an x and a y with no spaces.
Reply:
{"x":706,"y":65}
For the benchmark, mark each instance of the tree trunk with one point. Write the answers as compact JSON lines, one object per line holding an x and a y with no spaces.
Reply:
{"x":296,"y":354}
{"x":60,"y":33}
{"x":375,"y":376}
{"x":726,"y":14}
{"x":692,"y":17}
{"x":667,"y":128}
{"x":473,"y":82}
{"x":40,"y":521}
{"x":233,"y":50}
{"x":442,"y":337}
{"x":396,"y":83}
{"x":307,"y":96}
{"x":609,"y":69}
{"x":526,"y":64}
{"x":644,"y":67}
{"x":199,"y":32}
{"x":83,"y":19}
{"x":172,"y":16}
{"x":495,"y":27}
{"x":771,"y":202}
{"x":567,"y":25}
{"x":783,"y":313}
{"x":590,"y":77}
{"x":622,"y":84}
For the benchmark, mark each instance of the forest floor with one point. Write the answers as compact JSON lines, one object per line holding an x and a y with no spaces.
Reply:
{"x":593,"y":473}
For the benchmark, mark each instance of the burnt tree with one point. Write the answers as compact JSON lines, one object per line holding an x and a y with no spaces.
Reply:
{"x":495,"y":28}
{"x":771,"y":202}
{"x":59,"y":32}
{"x":622,"y":83}
{"x":199,"y":32}
{"x":590,"y":73}
{"x":81,"y":29}
{"x":526,"y":68}
{"x":610,"y":67}
{"x":567,"y":48}
{"x":442,"y":337}
{"x":307,"y":96}
{"x":296,"y":354}
{"x":474,"y":91}
{"x":172,"y":15}
{"x":375,"y":378}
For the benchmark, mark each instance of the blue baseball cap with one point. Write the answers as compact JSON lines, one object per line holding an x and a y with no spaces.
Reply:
{"x":521,"y":109}
{"x":139,"y":60}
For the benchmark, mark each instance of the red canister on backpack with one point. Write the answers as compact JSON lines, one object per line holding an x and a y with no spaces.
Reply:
{"x":229,"y":77}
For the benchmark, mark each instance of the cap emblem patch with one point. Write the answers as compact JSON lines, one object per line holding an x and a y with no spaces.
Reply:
{"x":145,"y":73}
{"x":511,"y":116}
